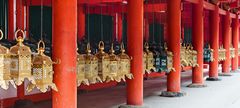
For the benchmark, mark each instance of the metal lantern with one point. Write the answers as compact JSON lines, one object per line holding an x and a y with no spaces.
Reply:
{"x":222,"y":53}
{"x":232,"y":51}
{"x":157,"y":57}
{"x":163,"y":60}
{"x":103,"y":64}
{"x":42,"y":69}
{"x":193,"y":56}
{"x":169,"y":60}
{"x":208,"y":53}
{"x":124,"y":65}
{"x":113,"y":66}
{"x":20,"y":67}
{"x":91,"y":66}
{"x":149,"y":59}
{"x":5,"y":78}
{"x":81,"y":79}
{"x":183,"y":55}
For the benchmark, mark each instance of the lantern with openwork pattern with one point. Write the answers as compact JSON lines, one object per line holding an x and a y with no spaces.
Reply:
{"x":113,"y":65}
{"x":81,"y":79}
{"x":42,"y":70}
{"x":124,"y":65}
{"x":5,"y":78}
{"x":103,"y":64}
{"x":20,"y":67}
{"x":149,"y":59}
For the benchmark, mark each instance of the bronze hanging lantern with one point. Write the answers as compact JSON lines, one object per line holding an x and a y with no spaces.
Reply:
{"x":183,"y":55}
{"x":193,"y":57}
{"x":232,"y":51}
{"x":124,"y":65}
{"x":170,"y":67}
{"x":81,"y":79}
{"x":113,"y":65}
{"x":42,"y":70}
{"x":20,"y":67}
{"x":91,"y":66}
{"x":103,"y":64}
{"x":222,"y":53}
{"x":5,"y":76}
{"x":149,"y":59}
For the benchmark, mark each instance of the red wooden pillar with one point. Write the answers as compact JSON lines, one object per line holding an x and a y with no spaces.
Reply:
{"x":11,"y":19}
{"x":135,"y":49}
{"x":197,"y":22}
{"x":235,"y":41}
{"x":214,"y":43}
{"x":64,"y":48}
{"x":81,"y":22}
{"x":226,"y":44}
{"x":174,"y":34}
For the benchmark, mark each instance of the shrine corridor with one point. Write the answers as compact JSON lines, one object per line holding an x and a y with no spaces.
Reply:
{"x":212,"y":96}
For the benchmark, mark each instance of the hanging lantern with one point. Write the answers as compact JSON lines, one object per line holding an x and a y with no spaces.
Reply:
{"x":42,"y":70}
{"x":158,"y":58}
{"x":149,"y":60}
{"x":91,"y":66}
{"x":20,"y":67}
{"x":124,"y":65}
{"x":81,"y":79}
{"x":170,"y":67}
{"x":103,"y":64}
{"x":222,"y":53}
{"x":163,"y":60}
{"x":5,"y":78}
{"x":232,"y":51}
{"x":193,"y":55}
{"x":183,"y":55}
{"x":208,"y":53}
{"x":113,"y":65}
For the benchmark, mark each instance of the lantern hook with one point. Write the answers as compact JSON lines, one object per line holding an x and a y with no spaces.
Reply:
{"x":1,"y":33}
{"x":101,"y":45}
{"x":18,"y":38}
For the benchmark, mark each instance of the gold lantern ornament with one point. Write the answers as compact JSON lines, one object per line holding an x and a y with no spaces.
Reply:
{"x":148,"y":59}
{"x":170,"y":67}
{"x":124,"y":65}
{"x":103,"y":63}
{"x":232,"y":51}
{"x":89,"y":66}
{"x":113,"y":65}
{"x":5,"y":78}
{"x":42,"y":69}
{"x":81,"y":79}
{"x":183,"y":55}
{"x":20,"y":67}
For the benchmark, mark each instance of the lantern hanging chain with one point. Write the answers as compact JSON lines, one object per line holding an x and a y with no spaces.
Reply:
{"x":153,"y":34}
{"x":41,"y":20}
{"x":88,"y":18}
{"x":111,"y":35}
{"x":1,"y":26}
{"x":122,"y":6}
{"x":101,"y":21}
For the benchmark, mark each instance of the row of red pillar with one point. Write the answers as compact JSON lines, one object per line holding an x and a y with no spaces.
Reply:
{"x":69,"y":21}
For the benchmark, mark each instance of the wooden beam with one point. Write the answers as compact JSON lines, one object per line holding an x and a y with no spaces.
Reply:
{"x":222,"y":12}
{"x":192,"y":1}
{"x":208,"y":5}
